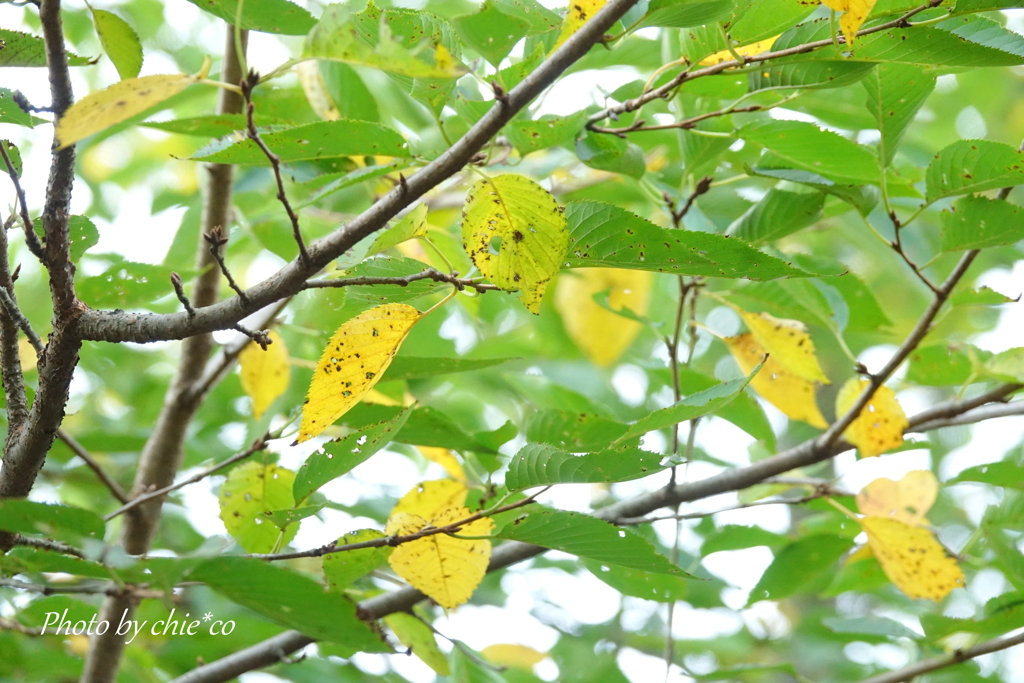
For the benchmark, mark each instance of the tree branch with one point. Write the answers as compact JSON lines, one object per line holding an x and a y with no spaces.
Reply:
{"x":428,"y":274}
{"x":46,"y":544}
{"x":988,"y":647}
{"x":31,"y":239}
{"x":10,"y":354}
{"x":115,"y":326}
{"x":809,"y":453}
{"x":85,"y":455}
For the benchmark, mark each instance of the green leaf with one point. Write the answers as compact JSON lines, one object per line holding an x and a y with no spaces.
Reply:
{"x":359,"y":175}
{"x":826,"y":74}
{"x":549,"y":131}
{"x":696,"y":405}
{"x":685,"y":13}
{"x":412,"y":225}
{"x":490,"y":32}
{"x":213,"y":126}
{"x":808,"y":147}
{"x":267,"y":16}
{"x":586,"y":537}
{"x":973,"y":166}
{"x":603,"y":235}
{"x":895,"y":94}
{"x":289,"y":599}
{"x":282,"y":519}
{"x":979,"y":222}
{"x":777,"y":214}
{"x":356,"y":39}
{"x":467,"y":669}
{"x":754,"y":20}
{"x":22,"y":49}
{"x":574,"y":432}
{"x":1008,"y":365}
{"x":313,"y":141}
{"x":419,"y":638}
{"x":430,"y":427}
{"x":744,"y":412}
{"x":736,"y":537}
{"x":610,"y":153}
{"x":54,"y":521}
{"x":82,"y":234}
{"x":14,"y":154}
{"x":638,"y":583}
{"x":798,"y":564}
{"x":342,"y":569}
{"x":941,"y":365}
{"x":125,"y":284}
{"x":983,"y":296}
{"x":1003,"y":473}
{"x":870,"y":625}
{"x":733,"y":672}
{"x":864,"y":198}
{"x":250,"y":491}
{"x":543,"y":464}
{"x":119,"y":41}
{"x":338,"y":457}
{"x":413,"y":367}
{"x":366,"y":296}
{"x":348,"y":92}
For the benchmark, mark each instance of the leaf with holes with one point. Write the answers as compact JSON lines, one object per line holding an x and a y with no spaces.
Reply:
{"x":264,"y":374}
{"x":979,"y":222}
{"x":907,"y":500}
{"x":973,"y":166}
{"x":879,"y":427}
{"x":446,"y":568}
{"x":251,"y":489}
{"x":912,"y":558}
{"x":355,"y":358}
{"x":791,"y":394}
{"x":341,"y":455}
{"x":524,"y":223}
{"x":580,"y":12}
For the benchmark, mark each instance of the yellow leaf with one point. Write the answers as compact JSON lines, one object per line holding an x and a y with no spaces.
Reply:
{"x":793,"y":395}
{"x":912,"y":558}
{"x":744,"y":51}
{"x":580,"y":11}
{"x":855,"y":12}
{"x":602,"y":335}
{"x":446,"y":569}
{"x":861,"y":553}
{"x":446,"y":459}
{"x":418,"y":637}
{"x":517,"y":656}
{"x":250,"y":490}
{"x":121,"y":101}
{"x":355,"y":358}
{"x":788,"y":343}
{"x":879,"y":427}
{"x":264,"y":374}
{"x":27,"y":355}
{"x":313,"y":84}
{"x":515,"y":232}
{"x":907,"y":500}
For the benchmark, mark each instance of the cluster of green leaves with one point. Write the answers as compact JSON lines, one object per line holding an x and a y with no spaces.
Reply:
{"x":796,"y":224}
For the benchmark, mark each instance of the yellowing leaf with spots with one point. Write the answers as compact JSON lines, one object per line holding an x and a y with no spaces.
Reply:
{"x":907,"y":500}
{"x":355,"y":358}
{"x":264,"y":374}
{"x":446,"y":459}
{"x":602,"y":335}
{"x":788,"y":343}
{"x":912,"y":558}
{"x":419,"y":638}
{"x":101,"y":110}
{"x":445,"y":568}
{"x":743,"y":51}
{"x":514,"y":656}
{"x":879,"y":427}
{"x":251,"y":490}
{"x":793,"y":395}
{"x":516,"y":234}
{"x":854,"y":14}
{"x":315,"y":88}
{"x":580,"y":12}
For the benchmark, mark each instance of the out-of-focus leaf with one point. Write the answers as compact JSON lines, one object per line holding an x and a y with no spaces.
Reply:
{"x":798,"y":564}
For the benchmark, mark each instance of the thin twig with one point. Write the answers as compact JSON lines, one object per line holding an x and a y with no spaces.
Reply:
{"x":982,"y":414}
{"x":821,"y":493}
{"x":216,"y":239}
{"x":47,"y":544}
{"x":82,"y":453}
{"x":258,"y":445}
{"x":11,"y":308}
{"x":936,"y":663}
{"x":84,"y":588}
{"x":428,"y":274}
{"x":665,"y":91}
{"x":179,"y":291}
{"x":31,"y":239}
{"x":897,"y":246}
{"x":393,"y":541}
{"x":275,"y":162}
